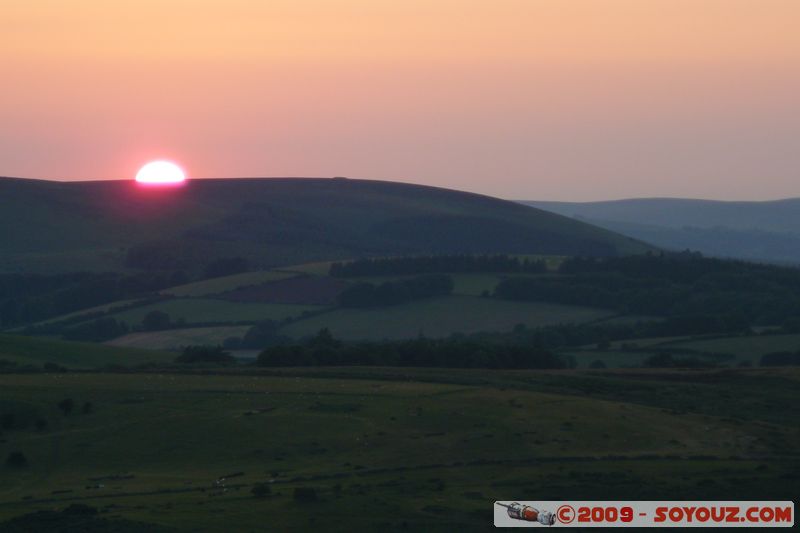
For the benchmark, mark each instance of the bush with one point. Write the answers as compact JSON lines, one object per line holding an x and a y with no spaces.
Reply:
{"x":205,"y":354}
{"x":66,"y":405}
{"x":232,"y":343}
{"x":156,"y":320}
{"x":665,"y":360}
{"x":16,"y":460}
{"x":226,"y":266}
{"x":456,"y":352}
{"x":101,"y":329}
{"x":305,"y":494}
{"x":8,"y":421}
{"x":261,"y":490}
{"x":660,"y":360}
{"x":80,"y":509}
{"x":263,"y":334}
{"x":780,"y":359}
{"x":53,"y":367}
{"x":597,"y":364}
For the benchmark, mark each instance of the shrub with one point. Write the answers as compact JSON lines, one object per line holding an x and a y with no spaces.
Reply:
{"x":80,"y":509}
{"x":156,"y":320}
{"x":226,"y":266}
{"x":16,"y":460}
{"x":66,"y":405}
{"x":781,"y":359}
{"x":260,"y":490}
{"x":305,"y":494}
{"x":53,"y":367}
{"x":205,"y":354}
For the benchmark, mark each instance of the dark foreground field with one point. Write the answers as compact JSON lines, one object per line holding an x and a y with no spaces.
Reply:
{"x":385,"y":448}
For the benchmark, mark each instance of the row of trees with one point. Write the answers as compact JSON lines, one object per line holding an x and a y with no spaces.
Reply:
{"x":432,"y":264}
{"x":26,"y":298}
{"x":106,"y":328}
{"x":781,"y":359}
{"x":670,"y":285}
{"x":396,"y":292}
{"x":324,"y":350}
{"x":32,"y":297}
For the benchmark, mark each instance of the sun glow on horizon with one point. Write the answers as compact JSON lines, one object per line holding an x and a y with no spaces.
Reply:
{"x":161,"y":173}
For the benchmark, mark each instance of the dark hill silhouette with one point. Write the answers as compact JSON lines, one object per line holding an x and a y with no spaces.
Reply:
{"x":60,"y":226}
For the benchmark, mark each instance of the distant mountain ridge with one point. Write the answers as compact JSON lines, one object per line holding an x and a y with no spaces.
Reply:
{"x":757,"y":231}
{"x":101,"y":225}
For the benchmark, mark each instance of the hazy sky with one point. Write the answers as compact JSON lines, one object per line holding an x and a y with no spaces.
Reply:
{"x":534,"y":99}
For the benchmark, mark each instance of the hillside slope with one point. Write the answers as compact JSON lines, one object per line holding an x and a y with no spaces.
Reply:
{"x":47,"y":226}
{"x":759,"y":231}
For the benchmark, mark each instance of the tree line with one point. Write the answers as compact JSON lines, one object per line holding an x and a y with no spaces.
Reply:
{"x":669,"y":285}
{"x":324,"y":350}
{"x":396,"y":292}
{"x":26,"y":298}
{"x":432,"y":264}
{"x":31,"y":297}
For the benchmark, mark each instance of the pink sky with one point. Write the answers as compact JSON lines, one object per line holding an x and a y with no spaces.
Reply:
{"x":533,"y":99}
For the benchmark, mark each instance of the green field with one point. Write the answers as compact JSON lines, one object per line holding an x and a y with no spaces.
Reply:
{"x":431,"y":456}
{"x":440,"y":317}
{"x":463,"y":284}
{"x":320,"y":268}
{"x":474,"y":284}
{"x":173,"y":339}
{"x":740,"y":348}
{"x":36,"y":351}
{"x":611,"y":358}
{"x":749,"y":348}
{"x":204,"y":310}
{"x":213,"y":286}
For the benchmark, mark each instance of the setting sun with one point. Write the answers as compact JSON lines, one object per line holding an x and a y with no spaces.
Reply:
{"x":161,"y":173}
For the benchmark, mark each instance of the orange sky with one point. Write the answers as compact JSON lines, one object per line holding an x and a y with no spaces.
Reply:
{"x":537,"y":99}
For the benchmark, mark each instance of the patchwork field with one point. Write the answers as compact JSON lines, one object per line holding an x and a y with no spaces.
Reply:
{"x":463,"y":284}
{"x":204,"y":310}
{"x":303,"y":290}
{"x":440,"y":317}
{"x":749,"y":348}
{"x":174,"y":339}
{"x":731,"y":351}
{"x":186,"y":450}
{"x":227,"y":283}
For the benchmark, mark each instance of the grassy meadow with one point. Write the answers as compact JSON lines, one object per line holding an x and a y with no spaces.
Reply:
{"x":431,"y":448}
{"x":204,"y":310}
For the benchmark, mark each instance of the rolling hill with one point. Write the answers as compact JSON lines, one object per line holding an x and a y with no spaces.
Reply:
{"x":48,"y":226}
{"x":756,"y":231}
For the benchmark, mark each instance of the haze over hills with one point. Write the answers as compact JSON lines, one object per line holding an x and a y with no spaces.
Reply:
{"x":757,"y":231}
{"x":52,"y":226}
